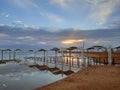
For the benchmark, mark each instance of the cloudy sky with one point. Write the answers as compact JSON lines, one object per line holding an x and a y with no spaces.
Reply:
{"x":49,"y":23}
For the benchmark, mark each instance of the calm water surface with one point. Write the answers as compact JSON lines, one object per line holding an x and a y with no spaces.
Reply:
{"x":18,"y":76}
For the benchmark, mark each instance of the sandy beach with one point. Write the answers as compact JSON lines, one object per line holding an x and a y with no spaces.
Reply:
{"x":90,"y":78}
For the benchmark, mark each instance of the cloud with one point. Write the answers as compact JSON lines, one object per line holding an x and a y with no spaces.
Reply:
{"x":52,"y":17}
{"x":26,"y":38}
{"x":102,"y":9}
{"x":30,"y":26}
{"x":25,"y":3}
{"x":7,"y":15}
{"x":43,"y":38}
{"x":3,"y":35}
{"x":4,"y":15}
{"x":2,"y":24}
{"x":99,"y":11}
{"x":65,"y":4}
{"x":43,"y":43}
{"x":114,"y":23}
{"x":18,"y":23}
{"x":61,"y":3}
{"x":52,"y":29}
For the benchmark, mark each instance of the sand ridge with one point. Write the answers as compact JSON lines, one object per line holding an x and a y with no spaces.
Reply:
{"x":90,"y":78}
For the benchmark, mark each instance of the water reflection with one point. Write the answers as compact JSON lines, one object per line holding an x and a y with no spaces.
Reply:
{"x":54,"y":70}
{"x":17,"y":76}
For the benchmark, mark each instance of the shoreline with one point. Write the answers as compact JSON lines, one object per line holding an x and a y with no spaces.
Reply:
{"x":92,"y":77}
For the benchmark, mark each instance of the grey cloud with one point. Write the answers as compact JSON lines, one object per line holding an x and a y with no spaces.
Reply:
{"x":18,"y":23}
{"x":114,"y":24}
{"x":42,"y":37}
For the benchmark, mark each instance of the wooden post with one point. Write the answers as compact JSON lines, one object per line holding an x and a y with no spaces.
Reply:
{"x":34,"y":57}
{"x":14,"y":55}
{"x":78,"y":62}
{"x":25,"y":52}
{"x":67,"y":60}
{"x":55,"y":59}
{"x":9,"y":55}
{"x":62,"y":58}
{"x":82,"y":54}
{"x":47,"y":57}
{"x":70,"y":60}
{"x":109,"y":56}
{"x":1,"y":54}
{"x":5,"y":55}
{"x":88,"y":62}
{"x":44,"y":57}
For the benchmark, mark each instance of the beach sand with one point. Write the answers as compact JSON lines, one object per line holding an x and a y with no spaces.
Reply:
{"x":90,"y":78}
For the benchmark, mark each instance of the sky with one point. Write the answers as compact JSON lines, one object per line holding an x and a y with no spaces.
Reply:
{"x":49,"y":23}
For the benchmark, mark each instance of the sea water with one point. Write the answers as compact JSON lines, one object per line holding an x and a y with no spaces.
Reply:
{"x":18,"y":76}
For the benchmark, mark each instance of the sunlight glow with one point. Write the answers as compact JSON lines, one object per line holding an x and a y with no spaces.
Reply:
{"x":71,"y":41}
{"x":74,"y":59}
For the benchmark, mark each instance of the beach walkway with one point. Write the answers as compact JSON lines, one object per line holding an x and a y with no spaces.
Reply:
{"x":90,"y":78}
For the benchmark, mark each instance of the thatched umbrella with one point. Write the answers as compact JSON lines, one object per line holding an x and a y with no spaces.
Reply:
{"x":56,"y":50}
{"x":34,"y":55}
{"x":2,"y":53}
{"x":15,"y":52}
{"x":9,"y":51}
{"x":73,"y":48}
{"x":43,"y":50}
{"x":70,"y":49}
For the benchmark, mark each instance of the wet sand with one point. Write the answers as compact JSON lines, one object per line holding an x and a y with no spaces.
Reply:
{"x":90,"y":78}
